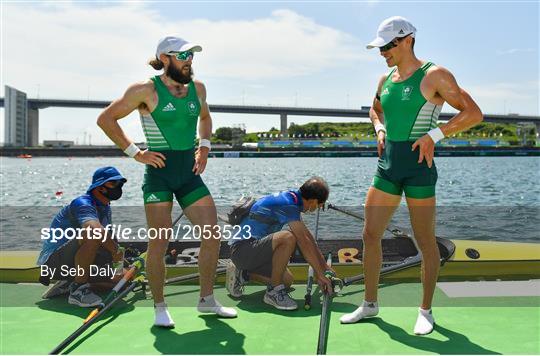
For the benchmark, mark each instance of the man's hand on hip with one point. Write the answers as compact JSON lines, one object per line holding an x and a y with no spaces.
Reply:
{"x":426,"y":149}
{"x":154,"y":159}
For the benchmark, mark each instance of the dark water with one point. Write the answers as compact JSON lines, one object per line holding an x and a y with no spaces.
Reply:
{"x":482,"y":198}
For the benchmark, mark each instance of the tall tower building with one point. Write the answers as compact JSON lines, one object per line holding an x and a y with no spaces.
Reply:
{"x":21,"y":128}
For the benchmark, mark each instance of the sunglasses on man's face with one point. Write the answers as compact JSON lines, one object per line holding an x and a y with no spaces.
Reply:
{"x":392,"y":44}
{"x":182,"y":56}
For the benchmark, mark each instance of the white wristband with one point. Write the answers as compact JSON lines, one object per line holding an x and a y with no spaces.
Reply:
{"x":379,"y":127}
{"x":436,"y":134}
{"x":205,"y":143}
{"x":132,"y":150}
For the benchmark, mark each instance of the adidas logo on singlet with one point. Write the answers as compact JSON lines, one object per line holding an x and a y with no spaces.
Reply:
{"x":169,"y":107}
{"x":151,"y":198}
{"x":385,"y":92}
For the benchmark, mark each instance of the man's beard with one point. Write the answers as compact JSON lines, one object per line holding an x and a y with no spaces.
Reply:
{"x":176,"y":74}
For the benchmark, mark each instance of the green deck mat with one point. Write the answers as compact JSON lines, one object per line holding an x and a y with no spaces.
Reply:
{"x":495,"y":325}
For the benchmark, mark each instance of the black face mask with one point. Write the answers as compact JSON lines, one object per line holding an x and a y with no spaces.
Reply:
{"x":113,"y":193}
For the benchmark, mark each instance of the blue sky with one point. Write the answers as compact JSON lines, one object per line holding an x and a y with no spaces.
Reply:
{"x":273,"y":53}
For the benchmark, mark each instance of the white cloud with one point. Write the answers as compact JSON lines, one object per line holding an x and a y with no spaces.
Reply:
{"x":506,"y":97}
{"x":74,"y":50}
{"x":504,"y":52}
{"x":528,"y":90}
{"x":69,"y":49}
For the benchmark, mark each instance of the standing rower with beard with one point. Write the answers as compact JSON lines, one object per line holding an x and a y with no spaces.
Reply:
{"x":169,"y":105}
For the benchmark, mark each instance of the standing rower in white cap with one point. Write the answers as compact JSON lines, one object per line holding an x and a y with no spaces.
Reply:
{"x":404,"y":113}
{"x":170,"y":105}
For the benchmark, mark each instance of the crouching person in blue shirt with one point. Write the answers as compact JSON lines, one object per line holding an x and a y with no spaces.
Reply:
{"x":265,"y":250}
{"x":69,"y":261}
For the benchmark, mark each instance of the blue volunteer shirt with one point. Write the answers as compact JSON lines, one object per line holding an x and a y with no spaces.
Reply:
{"x":83,"y":208}
{"x":277,"y":210}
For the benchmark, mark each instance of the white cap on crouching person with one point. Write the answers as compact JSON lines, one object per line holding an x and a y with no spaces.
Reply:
{"x":175,"y":44}
{"x":392,"y":27}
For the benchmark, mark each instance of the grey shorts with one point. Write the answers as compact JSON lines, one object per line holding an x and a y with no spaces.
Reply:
{"x":254,"y":255}
{"x":65,"y":256}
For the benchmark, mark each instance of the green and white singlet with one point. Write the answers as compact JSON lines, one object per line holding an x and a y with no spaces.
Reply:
{"x":171,"y":130}
{"x":407,"y":116}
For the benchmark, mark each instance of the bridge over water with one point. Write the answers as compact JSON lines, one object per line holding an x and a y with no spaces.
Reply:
{"x":34,"y":105}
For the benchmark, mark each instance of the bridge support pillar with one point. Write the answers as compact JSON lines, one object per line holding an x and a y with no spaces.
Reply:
{"x":32,"y":127}
{"x":284,"y":126}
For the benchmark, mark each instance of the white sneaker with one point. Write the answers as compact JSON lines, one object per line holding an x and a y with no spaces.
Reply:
{"x":162,"y":317}
{"x":366,"y":310}
{"x":424,"y":322}
{"x":209,"y":304}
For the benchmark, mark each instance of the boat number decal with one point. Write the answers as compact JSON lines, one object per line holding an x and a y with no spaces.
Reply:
{"x":347,"y":255}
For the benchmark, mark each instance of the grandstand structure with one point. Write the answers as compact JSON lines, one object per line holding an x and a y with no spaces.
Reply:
{"x":323,"y":141}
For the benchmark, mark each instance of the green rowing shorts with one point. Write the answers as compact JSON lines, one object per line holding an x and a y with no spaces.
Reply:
{"x":398,"y":170}
{"x":176,"y":178}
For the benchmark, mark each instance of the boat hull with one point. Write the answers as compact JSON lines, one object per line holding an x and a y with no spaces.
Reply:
{"x":466,"y":260}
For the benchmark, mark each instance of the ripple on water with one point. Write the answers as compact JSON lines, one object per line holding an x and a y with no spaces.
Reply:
{"x":468,"y":188}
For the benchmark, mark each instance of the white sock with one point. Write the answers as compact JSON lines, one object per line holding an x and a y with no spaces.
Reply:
{"x":366,"y":310}
{"x":209,"y":304}
{"x":424,"y":322}
{"x":163,"y":318}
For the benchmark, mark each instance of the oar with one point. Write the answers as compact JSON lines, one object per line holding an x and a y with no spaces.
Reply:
{"x":324,"y":324}
{"x":406,"y":264}
{"x":189,"y":277}
{"x":136,"y":267}
{"x":192,"y":276}
{"x":394,"y":230}
{"x":309,"y":284}
{"x":113,"y":297}
{"x":85,"y":326}
{"x":409,"y":262}
{"x":177,"y":219}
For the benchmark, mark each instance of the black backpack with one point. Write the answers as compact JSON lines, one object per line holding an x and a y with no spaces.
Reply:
{"x":240,"y":210}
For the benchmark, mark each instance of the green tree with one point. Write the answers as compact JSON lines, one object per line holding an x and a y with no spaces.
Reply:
{"x":224,"y":133}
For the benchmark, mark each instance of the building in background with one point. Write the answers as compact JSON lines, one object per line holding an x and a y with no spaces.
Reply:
{"x":21,"y":127}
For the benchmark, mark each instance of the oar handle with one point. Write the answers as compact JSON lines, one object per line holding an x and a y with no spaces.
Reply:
{"x":309,"y":287}
{"x":324,"y":325}
{"x":309,"y":284}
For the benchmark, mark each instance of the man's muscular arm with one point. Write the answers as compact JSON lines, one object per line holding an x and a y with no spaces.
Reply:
{"x":447,"y":88}
{"x":440,"y":84}
{"x":134,"y":97}
{"x":205,"y":123}
{"x":205,"y":130}
{"x":376,"y":116}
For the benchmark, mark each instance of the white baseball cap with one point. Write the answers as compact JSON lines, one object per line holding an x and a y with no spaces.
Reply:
{"x":175,"y":44}
{"x":392,"y":27}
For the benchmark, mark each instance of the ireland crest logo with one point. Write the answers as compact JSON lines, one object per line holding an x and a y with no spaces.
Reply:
{"x":406,"y":93}
{"x":192,"y":107}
